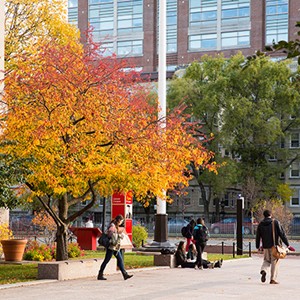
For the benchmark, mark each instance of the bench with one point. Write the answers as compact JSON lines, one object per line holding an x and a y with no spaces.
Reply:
{"x":73,"y":269}
{"x":169,"y":260}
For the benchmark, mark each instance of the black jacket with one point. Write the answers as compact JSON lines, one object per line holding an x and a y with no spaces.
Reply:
{"x":264,"y":234}
{"x":189,"y":230}
{"x":180,"y":257}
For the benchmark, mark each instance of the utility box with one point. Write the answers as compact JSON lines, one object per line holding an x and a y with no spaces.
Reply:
{"x":87,"y":237}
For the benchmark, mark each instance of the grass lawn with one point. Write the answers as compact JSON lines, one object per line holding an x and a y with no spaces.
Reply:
{"x":12,"y":273}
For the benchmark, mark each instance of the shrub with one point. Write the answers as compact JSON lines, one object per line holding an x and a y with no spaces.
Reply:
{"x":139,"y":234}
{"x":5,"y":234}
{"x":74,"y":250}
{"x":36,"y":252}
{"x":41,"y":252}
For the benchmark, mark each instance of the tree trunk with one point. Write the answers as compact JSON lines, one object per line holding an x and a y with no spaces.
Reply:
{"x":61,"y":235}
{"x":205,"y":201}
{"x":61,"y":243}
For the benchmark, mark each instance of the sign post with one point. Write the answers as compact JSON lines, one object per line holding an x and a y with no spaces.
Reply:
{"x":121,"y":204}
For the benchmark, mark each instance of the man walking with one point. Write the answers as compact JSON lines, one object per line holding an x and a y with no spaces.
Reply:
{"x":264,"y":236}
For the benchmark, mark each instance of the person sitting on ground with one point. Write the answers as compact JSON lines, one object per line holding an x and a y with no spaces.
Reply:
{"x":181,"y":259}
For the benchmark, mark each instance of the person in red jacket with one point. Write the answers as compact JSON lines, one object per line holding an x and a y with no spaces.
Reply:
{"x":264,"y":241}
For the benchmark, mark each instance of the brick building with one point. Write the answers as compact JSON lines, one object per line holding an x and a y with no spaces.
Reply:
{"x":129,"y":28}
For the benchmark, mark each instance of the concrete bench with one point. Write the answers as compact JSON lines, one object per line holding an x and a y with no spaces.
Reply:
{"x":169,"y":260}
{"x":73,"y":269}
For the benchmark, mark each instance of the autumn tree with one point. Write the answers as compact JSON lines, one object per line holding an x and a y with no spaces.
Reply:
{"x":27,"y":24}
{"x":81,"y":126}
{"x":30,"y":22}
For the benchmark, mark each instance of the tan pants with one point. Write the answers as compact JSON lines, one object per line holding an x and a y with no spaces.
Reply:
{"x":270,"y":260}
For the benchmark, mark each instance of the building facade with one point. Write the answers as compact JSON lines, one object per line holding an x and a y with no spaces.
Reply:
{"x":129,"y":28}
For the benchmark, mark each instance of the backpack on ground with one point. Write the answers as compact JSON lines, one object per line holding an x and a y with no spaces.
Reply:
{"x":200,"y":233}
{"x":184,"y":231}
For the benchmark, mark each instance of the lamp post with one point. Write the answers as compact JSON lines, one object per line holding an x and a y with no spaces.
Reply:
{"x":161,"y":218}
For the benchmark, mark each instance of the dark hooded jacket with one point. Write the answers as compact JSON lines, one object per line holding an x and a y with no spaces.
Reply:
{"x":264,"y":234}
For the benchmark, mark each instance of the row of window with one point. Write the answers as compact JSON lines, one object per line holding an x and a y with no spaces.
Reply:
{"x":118,"y":22}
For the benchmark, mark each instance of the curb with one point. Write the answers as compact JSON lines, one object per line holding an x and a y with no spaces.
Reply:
{"x":27,"y":283}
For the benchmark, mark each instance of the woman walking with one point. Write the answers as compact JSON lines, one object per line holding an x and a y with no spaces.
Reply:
{"x":115,"y":235}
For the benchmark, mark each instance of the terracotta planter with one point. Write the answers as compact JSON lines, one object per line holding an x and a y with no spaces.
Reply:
{"x":13,"y":249}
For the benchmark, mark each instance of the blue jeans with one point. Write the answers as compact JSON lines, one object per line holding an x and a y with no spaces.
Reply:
{"x":108,"y":255}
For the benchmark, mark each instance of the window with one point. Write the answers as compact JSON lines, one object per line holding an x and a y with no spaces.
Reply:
{"x":294,"y":140}
{"x":203,"y":13}
{"x":235,"y":11}
{"x":219,"y":24}
{"x":204,"y":41}
{"x":130,"y":48}
{"x":106,"y":49}
{"x":73,"y":12}
{"x":235,"y":39}
{"x":118,"y":25}
{"x":276,"y":20}
{"x":130,"y":16}
{"x":295,"y":199}
{"x":294,"y":170}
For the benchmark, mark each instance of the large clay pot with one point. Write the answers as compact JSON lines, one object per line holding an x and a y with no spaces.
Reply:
{"x":13,"y":249}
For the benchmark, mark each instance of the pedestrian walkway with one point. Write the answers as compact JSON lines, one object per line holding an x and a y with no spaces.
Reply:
{"x":237,"y":279}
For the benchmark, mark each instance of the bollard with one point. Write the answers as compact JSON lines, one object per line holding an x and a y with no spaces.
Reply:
{"x":142,"y":243}
{"x":233,"y":250}
{"x":222,"y":248}
{"x":249,"y":249}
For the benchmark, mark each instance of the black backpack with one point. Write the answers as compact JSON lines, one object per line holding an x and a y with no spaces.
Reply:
{"x":200,"y":233}
{"x":184,"y":231}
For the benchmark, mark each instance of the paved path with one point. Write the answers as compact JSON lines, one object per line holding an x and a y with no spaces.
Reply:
{"x":237,"y":279}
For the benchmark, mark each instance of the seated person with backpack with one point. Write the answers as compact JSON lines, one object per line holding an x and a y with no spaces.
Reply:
{"x":182,"y":261}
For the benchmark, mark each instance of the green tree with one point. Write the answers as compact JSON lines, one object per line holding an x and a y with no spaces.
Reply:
{"x":247,"y":106}
{"x":202,"y":89}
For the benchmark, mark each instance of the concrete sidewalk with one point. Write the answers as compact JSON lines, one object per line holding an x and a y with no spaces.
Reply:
{"x":237,"y":279}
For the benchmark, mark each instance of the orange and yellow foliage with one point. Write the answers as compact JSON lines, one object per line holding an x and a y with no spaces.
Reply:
{"x":76,"y":118}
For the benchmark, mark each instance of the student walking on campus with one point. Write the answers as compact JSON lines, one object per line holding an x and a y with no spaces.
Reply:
{"x":265,"y":241}
{"x":115,"y":235}
{"x":200,"y":236}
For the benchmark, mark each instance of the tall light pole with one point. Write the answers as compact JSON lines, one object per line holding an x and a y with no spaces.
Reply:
{"x":161,"y":217}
